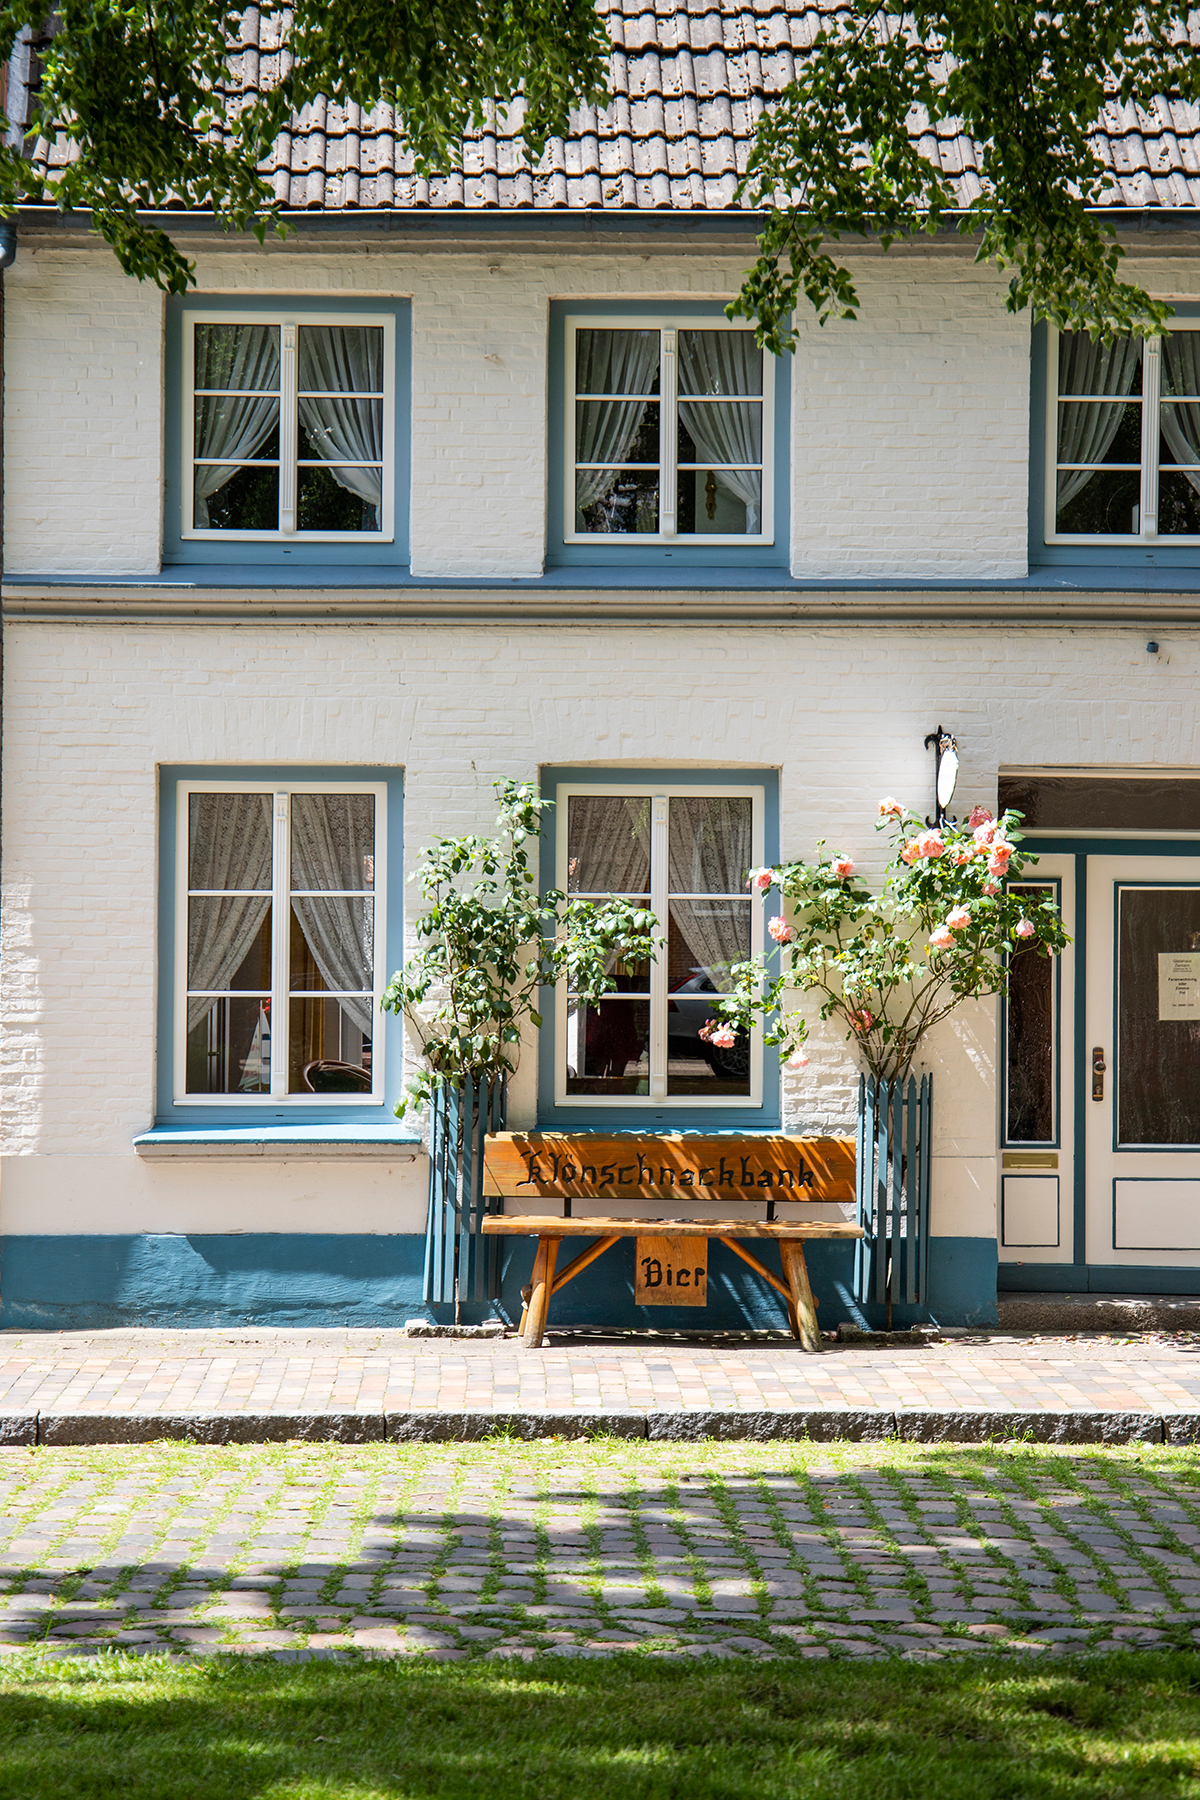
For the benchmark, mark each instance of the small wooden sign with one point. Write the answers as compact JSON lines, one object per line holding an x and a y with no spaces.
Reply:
{"x":670,"y":1170}
{"x":671,"y":1271}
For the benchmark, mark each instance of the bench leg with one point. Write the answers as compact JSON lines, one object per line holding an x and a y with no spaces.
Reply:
{"x":539,"y":1299}
{"x":802,"y":1308}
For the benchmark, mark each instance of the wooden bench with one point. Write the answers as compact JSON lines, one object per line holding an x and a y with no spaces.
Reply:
{"x":546,"y":1282}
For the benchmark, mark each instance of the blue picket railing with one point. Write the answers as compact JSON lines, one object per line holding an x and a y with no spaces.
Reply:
{"x":894,"y":1142}
{"x":460,"y":1263}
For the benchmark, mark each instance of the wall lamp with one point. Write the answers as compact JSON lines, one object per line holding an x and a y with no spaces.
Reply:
{"x":945,"y":774}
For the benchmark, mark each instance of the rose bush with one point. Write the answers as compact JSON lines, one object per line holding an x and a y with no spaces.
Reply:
{"x":890,"y":966}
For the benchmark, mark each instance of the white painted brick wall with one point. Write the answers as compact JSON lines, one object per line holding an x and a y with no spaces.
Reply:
{"x":90,"y":711}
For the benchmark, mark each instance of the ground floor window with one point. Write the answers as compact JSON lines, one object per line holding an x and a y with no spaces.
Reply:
{"x":684,"y":853}
{"x":278,"y":961}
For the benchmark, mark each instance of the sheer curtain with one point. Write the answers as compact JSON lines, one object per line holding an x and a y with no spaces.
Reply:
{"x":232,"y":357}
{"x":345,"y":360}
{"x":229,"y":846}
{"x":725,"y":362}
{"x":608,"y":844}
{"x":1085,"y":431}
{"x":333,"y":846}
{"x":1180,"y":423}
{"x":613,"y":362}
{"x":709,"y":851}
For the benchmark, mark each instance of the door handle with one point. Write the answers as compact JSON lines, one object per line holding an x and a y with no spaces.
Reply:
{"x":1098,"y":1067}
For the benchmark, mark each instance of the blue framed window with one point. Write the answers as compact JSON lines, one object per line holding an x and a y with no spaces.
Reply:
{"x":680,"y":843}
{"x":1115,"y":464}
{"x":280,"y":904}
{"x":668,"y":439}
{"x":287,"y":430}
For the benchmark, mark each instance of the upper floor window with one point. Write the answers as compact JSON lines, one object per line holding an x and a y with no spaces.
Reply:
{"x":684,"y":853}
{"x":669,"y":433}
{"x":1123,"y":437}
{"x":278,"y":962}
{"x":289,"y":429}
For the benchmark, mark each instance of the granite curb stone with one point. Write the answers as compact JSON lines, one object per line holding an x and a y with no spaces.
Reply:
{"x":685,"y":1425}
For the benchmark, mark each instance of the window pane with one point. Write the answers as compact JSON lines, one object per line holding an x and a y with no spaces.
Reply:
{"x":1099,"y":502}
{"x":229,"y":945}
{"x":333,"y":842}
{"x":330,"y":1047}
{"x":608,"y":844}
{"x":236,"y":430}
{"x":616,"y":362}
{"x":719,"y":362}
{"x":616,"y":431}
{"x":1088,"y":367}
{"x":608,"y":1047}
{"x":610,"y":500}
{"x":711,"y":841}
{"x":333,"y":945}
{"x":1094,"y":432}
{"x":236,"y":499}
{"x":229,"y":842}
{"x":340,"y":359}
{"x":237,"y":358}
{"x":1181,"y":363}
{"x":229,"y":1047}
{"x":1158,"y":1097}
{"x":728,"y":501}
{"x":333,"y":499}
{"x":704,"y":940}
{"x":720,"y":431}
{"x":1178,"y":506}
{"x":695,"y":1066}
{"x":1180,"y":425}
{"x":335,"y":431}
{"x":1029,"y":1079}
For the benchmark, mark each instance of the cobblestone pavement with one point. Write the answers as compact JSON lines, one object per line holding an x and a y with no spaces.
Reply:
{"x":586,"y":1549}
{"x":372,"y":1371}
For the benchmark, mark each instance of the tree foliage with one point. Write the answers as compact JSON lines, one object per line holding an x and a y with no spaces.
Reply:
{"x":488,"y":941}
{"x":849,"y":149}
{"x":888,"y":967}
{"x":149,"y":94}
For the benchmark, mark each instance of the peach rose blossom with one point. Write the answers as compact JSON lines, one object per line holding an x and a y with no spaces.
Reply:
{"x":723,"y":1038}
{"x":862,"y":1020}
{"x":797,"y":1060}
{"x":958,"y":918}
{"x":984,"y":833}
{"x":842,"y":866}
{"x":941,"y":938}
{"x":761,"y":879}
{"x":779,"y":929}
{"x":979,"y":815}
{"x":890,"y":809}
{"x":926,"y":843}
{"x":1025,"y":928}
{"x":989,"y":887}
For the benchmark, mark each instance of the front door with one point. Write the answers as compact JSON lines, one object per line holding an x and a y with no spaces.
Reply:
{"x":1140,"y":1062}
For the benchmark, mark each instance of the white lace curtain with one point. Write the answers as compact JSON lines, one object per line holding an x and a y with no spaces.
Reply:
{"x":710,"y":850}
{"x":1180,"y":421}
{"x":1085,"y":431}
{"x":609,"y":362}
{"x":333,"y":846}
{"x":229,"y":846}
{"x":608,"y":844}
{"x":232,"y":357}
{"x":344,"y":360}
{"x":725,"y":362}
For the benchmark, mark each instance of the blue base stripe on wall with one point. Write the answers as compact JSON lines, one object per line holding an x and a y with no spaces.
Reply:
{"x":1079,"y":1278}
{"x":260,"y":1278}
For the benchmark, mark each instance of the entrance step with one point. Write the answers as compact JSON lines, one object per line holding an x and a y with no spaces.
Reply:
{"x":1098,"y":1312}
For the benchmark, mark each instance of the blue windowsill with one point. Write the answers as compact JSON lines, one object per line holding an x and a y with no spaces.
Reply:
{"x":338,"y":578}
{"x":276,"y":1140}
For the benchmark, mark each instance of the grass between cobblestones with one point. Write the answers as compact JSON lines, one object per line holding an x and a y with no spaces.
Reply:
{"x":237,"y":1729}
{"x":604,"y":1617}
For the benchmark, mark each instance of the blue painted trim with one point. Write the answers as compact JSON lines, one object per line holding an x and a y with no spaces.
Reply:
{"x":325,"y":1279}
{"x":391,"y":1029}
{"x":330,"y":1132}
{"x":1110,"y":1278}
{"x":687,"y":559}
{"x":1162,"y":557}
{"x":326,"y":561}
{"x":663,"y":1117}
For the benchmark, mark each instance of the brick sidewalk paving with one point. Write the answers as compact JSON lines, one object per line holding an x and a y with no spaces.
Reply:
{"x":263,"y":1372}
{"x":574,"y":1549}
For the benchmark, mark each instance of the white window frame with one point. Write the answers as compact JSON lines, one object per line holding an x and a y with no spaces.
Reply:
{"x":281,"y":793}
{"x":1150,"y":469}
{"x":287,"y":319}
{"x":667,"y":325}
{"x":658,"y":1098}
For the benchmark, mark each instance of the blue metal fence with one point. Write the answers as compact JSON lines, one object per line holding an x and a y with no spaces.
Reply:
{"x":460,"y":1263}
{"x":892,"y":1259}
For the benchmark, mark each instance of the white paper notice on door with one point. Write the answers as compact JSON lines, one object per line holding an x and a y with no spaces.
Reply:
{"x":1179,"y":985}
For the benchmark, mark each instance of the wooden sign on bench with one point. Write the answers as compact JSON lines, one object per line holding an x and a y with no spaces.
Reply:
{"x":673,"y":1170}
